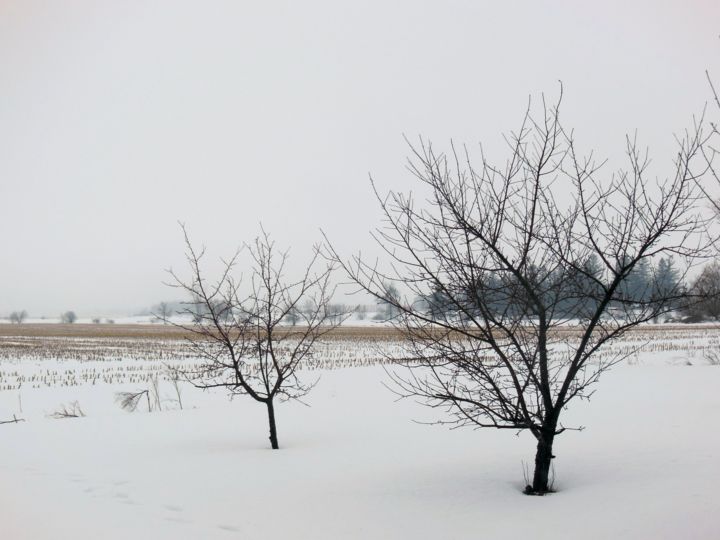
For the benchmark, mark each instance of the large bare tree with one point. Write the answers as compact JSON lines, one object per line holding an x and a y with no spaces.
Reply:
{"x":238,"y":329}
{"x":516,"y":275}
{"x":711,"y":151}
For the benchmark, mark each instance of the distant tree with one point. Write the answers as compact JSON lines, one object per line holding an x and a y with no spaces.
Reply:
{"x":337,"y":313}
{"x":361,"y":312}
{"x":163,"y":312}
{"x":96,"y":320}
{"x":439,"y":305}
{"x":251,"y":352}
{"x":642,"y":279}
{"x":581,"y":290}
{"x":308,"y":307}
{"x":293,"y":316}
{"x":666,"y":282}
{"x":636,"y":289}
{"x":223,"y":310}
{"x":68,"y":317}
{"x":388,"y":310}
{"x":704,"y":294}
{"x":666,"y":276}
{"x":18,"y":317}
{"x":197,"y":308}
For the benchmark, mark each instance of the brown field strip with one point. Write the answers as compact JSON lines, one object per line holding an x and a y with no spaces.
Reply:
{"x":169,"y":332}
{"x":160,"y":331}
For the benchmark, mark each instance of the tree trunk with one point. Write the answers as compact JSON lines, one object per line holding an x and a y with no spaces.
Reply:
{"x":273,"y":428}
{"x":543,"y":459}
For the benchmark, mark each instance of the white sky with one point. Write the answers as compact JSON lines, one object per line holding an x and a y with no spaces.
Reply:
{"x":117,"y":119}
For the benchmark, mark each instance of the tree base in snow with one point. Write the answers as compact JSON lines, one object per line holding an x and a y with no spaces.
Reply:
{"x":530,"y":491}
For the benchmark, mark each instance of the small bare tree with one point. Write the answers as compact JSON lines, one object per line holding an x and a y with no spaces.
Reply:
{"x":68,"y":317}
{"x":509,"y":291}
{"x":240,"y":337}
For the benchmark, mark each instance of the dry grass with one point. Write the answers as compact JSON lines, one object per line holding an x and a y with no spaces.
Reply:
{"x":49,"y":355}
{"x":162,"y":331}
{"x":169,"y":332}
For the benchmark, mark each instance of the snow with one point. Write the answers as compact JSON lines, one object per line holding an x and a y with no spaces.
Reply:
{"x":355,"y":465}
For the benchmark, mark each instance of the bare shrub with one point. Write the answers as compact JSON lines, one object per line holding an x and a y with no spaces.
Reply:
{"x":71,"y":410}
{"x":129,"y":401}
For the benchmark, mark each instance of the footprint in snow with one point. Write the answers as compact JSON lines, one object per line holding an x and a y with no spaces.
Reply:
{"x":229,"y":528}
{"x":176,"y":519}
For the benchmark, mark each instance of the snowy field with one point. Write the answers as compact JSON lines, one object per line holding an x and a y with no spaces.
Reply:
{"x":353,"y":464}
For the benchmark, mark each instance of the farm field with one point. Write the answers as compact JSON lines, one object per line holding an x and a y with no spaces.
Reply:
{"x":356,"y":463}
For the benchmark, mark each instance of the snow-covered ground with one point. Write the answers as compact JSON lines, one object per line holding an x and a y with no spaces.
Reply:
{"x":355,"y":465}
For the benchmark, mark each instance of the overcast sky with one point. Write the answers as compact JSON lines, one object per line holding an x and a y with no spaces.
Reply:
{"x":117,"y":119}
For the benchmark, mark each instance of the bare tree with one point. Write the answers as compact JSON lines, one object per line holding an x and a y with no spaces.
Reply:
{"x":337,"y":313}
{"x":293,"y":316}
{"x":388,"y":309}
{"x":244,"y":347}
{"x":68,"y":317}
{"x":196,"y":309}
{"x":163,"y":311}
{"x":18,"y":317}
{"x":710,"y":152}
{"x":531,"y":286}
{"x":71,"y":410}
{"x":704,"y":295}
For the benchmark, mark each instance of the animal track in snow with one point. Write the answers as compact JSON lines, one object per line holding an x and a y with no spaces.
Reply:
{"x":229,"y":528}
